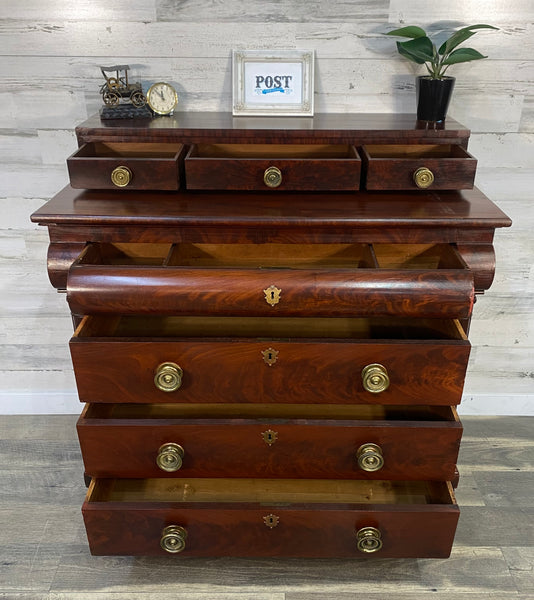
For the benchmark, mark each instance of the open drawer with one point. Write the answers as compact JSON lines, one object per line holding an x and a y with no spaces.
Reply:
{"x":269,"y":360}
{"x":412,"y":167}
{"x":270,"y":517}
{"x":126,"y":165}
{"x":272,"y":167}
{"x":258,"y":440}
{"x":324,"y":280}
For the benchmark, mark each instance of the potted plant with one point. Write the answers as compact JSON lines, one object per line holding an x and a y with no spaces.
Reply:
{"x":434,"y":89}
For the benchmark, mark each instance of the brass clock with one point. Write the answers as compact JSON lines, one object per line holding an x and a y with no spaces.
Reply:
{"x":162,"y":98}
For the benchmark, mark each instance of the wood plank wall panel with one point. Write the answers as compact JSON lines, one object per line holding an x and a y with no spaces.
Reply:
{"x":50,"y":53}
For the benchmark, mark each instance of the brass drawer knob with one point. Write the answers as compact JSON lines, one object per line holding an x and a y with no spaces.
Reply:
{"x":173,"y":539}
{"x":369,"y":540}
{"x":272,"y":177}
{"x":170,"y":457}
{"x":168,"y":377}
{"x":370,"y":457}
{"x":423,"y":178}
{"x":375,"y":378}
{"x":121,"y":176}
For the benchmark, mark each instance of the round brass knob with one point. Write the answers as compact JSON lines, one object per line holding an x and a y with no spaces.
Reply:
{"x":168,"y":377}
{"x":369,"y":540}
{"x":272,"y":177}
{"x":370,"y":457}
{"x":375,"y":378}
{"x":173,"y":539}
{"x":423,"y":178}
{"x":170,"y":457}
{"x":121,"y":176}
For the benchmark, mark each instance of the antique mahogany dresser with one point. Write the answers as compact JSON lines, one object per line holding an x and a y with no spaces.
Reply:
{"x":271,"y":330}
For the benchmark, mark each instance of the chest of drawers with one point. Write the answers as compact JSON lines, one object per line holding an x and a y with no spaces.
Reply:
{"x":271,"y":331}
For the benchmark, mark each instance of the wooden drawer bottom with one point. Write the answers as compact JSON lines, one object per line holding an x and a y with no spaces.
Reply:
{"x":267,"y":517}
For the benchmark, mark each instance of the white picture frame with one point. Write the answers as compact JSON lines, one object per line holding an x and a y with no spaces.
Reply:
{"x":272,"y":82}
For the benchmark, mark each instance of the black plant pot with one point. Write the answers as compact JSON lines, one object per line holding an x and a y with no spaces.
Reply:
{"x":433,"y":97}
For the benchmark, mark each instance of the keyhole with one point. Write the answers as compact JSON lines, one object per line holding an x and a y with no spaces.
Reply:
{"x":270,"y":355}
{"x":272,"y":295}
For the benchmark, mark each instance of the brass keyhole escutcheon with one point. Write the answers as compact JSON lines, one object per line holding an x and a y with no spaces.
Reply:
{"x":271,"y":521}
{"x":270,"y":356}
{"x":369,"y":540}
{"x":168,"y":377}
{"x":121,"y":176}
{"x":170,"y":457}
{"x":370,"y":457}
{"x":173,"y":539}
{"x":423,"y":178}
{"x":375,"y":378}
{"x":272,"y":177}
{"x":272,"y":295}
{"x":269,"y":437}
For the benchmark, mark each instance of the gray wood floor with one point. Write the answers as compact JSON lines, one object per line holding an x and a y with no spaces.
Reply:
{"x":44,"y":555}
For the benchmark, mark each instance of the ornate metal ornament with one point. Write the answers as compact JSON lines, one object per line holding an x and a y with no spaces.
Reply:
{"x":269,"y":437}
{"x":272,"y":295}
{"x":271,"y":521}
{"x":270,"y":356}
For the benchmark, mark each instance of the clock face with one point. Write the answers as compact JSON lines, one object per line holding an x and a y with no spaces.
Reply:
{"x":162,"y":98}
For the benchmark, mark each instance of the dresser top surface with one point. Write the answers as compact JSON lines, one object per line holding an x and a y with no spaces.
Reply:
{"x":191,"y":126}
{"x":468,"y":208}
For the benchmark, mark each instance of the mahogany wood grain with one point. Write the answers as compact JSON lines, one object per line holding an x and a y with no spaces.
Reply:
{"x":118,"y":446}
{"x":213,"y":127}
{"x":233,"y":370}
{"x":91,"y":167}
{"x":410,"y":526}
{"x":236,"y":172}
{"x":453,"y":168}
{"x":59,"y":260}
{"x":480,"y":258}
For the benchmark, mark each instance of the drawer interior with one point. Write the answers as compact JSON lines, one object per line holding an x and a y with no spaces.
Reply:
{"x":416,"y":151}
{"x":269,"y":491}
{"x":281,"y":412}
{"x":305,"y":256}
{"x":286,"y":151}
{"x":269,"y":328}
{"x":128,"y":150}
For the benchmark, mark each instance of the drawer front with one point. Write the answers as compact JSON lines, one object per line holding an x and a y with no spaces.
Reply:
{"x":126,"y":166}
{"x":272,"y":280}
{"x":119,"y":446}
{"x":418,"y":167}
{"x":130,"y":526}
{"x":237,"y":370}
{"x":181,"y":291}
{"x":257,"y":168}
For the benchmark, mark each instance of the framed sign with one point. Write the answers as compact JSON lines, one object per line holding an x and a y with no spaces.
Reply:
{"x":274,"y":82}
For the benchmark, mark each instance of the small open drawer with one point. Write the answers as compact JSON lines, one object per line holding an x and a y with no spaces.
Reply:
{"x":412,"y":167}
{"x":125,"y":165}
{"x":323,"y":280}
{"x":269,"y":360}
{"x":260,"y":440}
{"x":270,"y":517}
{"x":272,"y":167}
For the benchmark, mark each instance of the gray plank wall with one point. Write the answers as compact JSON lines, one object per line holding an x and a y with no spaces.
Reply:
{"x":49,"y":83}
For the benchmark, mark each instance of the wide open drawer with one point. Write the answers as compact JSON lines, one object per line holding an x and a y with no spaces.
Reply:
{"x":125,"y":165}
{"x":272,"y":167}
{"x":269,"y":360}
{"x":269,"y":517}
{"x":310,"y":441}
{"x":411,"y":167}
{"x":272,"y":280}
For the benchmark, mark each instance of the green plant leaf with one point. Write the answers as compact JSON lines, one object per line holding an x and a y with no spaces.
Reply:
{"x":419,"y":50}
{"x":460,"y":36}
{"x":463,"y":55}
{"x":410,"y":32}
